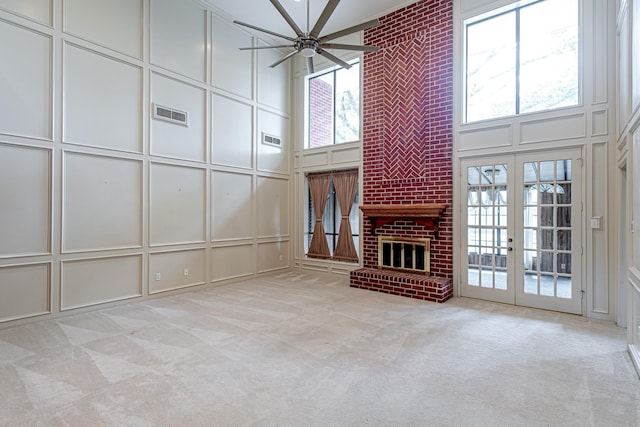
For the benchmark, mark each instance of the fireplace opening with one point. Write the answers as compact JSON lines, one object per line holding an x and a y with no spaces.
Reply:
{"x":406,"y":254}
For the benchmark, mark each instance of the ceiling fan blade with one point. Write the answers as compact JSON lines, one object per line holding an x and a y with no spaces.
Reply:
{"x":287,"y":18}
{"x":324,"y":17}
{"x":350,"y":30}
{"x":310,"y":65}
{"x":349,"y":47}
{"x":265,"y":47}
{"x":244,"y":24}
{"x":284,"y":58}
{"x":334,"y":58}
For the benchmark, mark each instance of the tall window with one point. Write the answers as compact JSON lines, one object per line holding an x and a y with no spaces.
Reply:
{"x":334,"y":107}
{"x":522,"y":60}
{"x":332,"y":218}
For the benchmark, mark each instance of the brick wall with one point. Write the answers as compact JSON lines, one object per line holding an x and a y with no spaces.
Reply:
{"x":407,"y":123}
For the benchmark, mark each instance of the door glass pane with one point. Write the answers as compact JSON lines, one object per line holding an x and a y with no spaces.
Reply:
{"x":531,"y":216}
{"x":564,"y":240}
{"x":564,"y":217}
{"x":547,"y":236}
{"x":546,"y":216}
{"x":546,"y":239}
{"x":530,"y":238}
{"x":547,"y":285}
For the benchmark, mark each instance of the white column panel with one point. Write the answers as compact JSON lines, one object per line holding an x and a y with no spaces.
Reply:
{"x":273,"y":256}
{"x":232,"y":261}
{"x":25,"y":213}
{"x":635,"y":53}
{"x":273,"y":83}
{"x":175,"y":270}
{"x":553,"y":128}
{"x":175,"y":140}
{"x":599,"y":241}
{"x":600,"y":52}
{"x":178,"y":37}
{"x":102,"y":101}
{"x":37,"y":10}
{"x":95,"y":20}
{"x":273,"y":207}
{"x":231,"y":68}
{"x":100,"y":280}
{"x":24,"y":291}
{"x":231,"y":132}
{"x":270,"y":158}
{"x":231,"y":206}
{"x":177,"y":209}
{"x":101,"y":203}
{"x":624,"y":77}
{"x":25,"y":82}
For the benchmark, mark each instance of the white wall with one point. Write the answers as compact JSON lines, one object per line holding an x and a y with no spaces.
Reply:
{"x":589,"y":126}
{"x":100,"y":202}
{"x":628,"y":160}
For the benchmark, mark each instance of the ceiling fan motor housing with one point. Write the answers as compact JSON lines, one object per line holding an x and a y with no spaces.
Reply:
{"x":307,"y":46}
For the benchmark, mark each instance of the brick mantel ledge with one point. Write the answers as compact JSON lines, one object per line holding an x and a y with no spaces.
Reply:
{"x":425,"y":214}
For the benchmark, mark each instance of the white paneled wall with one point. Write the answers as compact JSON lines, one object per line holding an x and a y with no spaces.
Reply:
{"x":589,"y":126}
{"x":101,"y":201}
{"x":95,"y":20}
{"x":113,"y":90}
{"x":25,"y":217}
{"x":25,"y":85}
{"x":101,"y":206}
{"x":179,"y":142}
{"x":628,"y":159}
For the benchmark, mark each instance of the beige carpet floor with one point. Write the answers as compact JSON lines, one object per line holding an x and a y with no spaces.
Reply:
{"x":304,"y":349}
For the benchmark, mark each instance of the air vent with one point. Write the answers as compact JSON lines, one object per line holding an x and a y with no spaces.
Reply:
{"x":271,"y":140}
{"x":170,"y":115}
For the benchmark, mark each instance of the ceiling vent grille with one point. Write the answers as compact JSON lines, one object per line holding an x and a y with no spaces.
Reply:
{"x":170,"y":115}
{"x":271,"y":140}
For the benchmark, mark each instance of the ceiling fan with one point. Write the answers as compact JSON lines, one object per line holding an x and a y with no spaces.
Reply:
{"x":311,"y":42}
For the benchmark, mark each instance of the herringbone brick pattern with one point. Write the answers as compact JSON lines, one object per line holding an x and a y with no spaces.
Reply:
{"x":405,"y":92}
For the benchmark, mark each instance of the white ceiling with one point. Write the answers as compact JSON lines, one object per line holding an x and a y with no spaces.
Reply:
{"x":262,"y":13}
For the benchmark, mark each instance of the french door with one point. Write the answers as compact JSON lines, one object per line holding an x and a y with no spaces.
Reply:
{"x":523,"y":220}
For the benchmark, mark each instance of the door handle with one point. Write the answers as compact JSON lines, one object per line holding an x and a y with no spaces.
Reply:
{"x":510,"y":248}
{"x":510,"y":240}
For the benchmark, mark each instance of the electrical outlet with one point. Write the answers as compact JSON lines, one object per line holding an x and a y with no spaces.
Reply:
{"x":158,"y":277}
{"x":186,"y":272}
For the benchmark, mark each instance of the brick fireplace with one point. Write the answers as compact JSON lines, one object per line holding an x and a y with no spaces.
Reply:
{"x":408,"y":142}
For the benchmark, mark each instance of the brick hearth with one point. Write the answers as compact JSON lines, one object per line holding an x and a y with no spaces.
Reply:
{"x":436,"y":289}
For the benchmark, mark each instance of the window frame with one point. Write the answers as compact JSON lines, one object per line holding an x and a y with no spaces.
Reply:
{"x":307,"y":99}
{"x":333,"y":207}
{"x":515,"y":7}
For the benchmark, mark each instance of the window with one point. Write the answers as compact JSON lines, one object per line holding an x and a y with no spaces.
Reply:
{"x":522,"y":60}
{"x":334,"y":107}
{"x":330,"y":187}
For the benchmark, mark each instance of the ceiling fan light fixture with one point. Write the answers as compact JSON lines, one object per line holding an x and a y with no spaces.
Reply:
{"x":308,"y":52}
